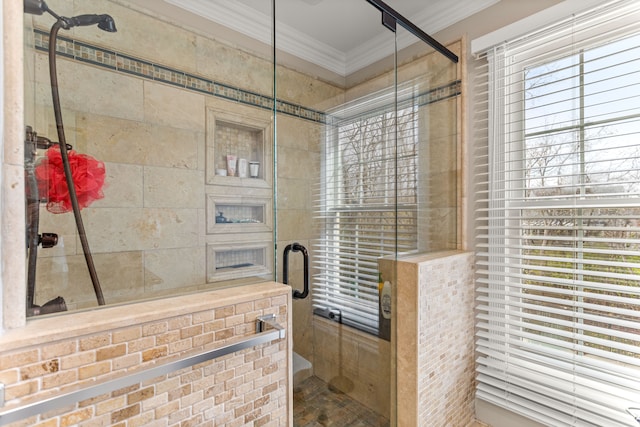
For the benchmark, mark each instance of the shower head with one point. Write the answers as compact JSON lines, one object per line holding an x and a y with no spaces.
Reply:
{"x":38,"y":7}
{"x":105,"y":22}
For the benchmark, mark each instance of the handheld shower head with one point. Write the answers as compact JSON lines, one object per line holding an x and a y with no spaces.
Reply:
{"x":38,"y":7}
{"x":105,"y":22}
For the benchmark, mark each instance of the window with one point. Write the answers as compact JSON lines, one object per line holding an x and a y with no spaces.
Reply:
{"x":559,"y":235}
{"x":365,"y":172}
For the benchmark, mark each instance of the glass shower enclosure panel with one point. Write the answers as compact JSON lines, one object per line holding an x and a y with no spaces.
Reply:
{"x":336,"y":197}
{"x":244,"y":141}
{"x":428,"y":92}
{"x":169,"y":126}
{"x":427,"y":176}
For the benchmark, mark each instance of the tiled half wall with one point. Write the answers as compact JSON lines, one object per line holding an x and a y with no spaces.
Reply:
{"x":60,"y":354}
{"x":434,"y":340}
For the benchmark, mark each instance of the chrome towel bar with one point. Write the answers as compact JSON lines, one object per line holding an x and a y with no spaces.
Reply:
{"x":262,"y":336}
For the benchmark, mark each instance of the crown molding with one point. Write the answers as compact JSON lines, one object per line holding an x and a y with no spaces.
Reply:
{"x":257,"y":25}
{"x":438,"y":17}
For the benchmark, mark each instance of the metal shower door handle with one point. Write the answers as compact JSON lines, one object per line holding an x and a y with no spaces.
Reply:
{"x":296,"y":247}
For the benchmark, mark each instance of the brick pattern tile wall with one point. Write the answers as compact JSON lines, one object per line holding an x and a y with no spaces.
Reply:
{"x":445,"y":342}
{"x":248,"y":387}
{"x":434,"y":340}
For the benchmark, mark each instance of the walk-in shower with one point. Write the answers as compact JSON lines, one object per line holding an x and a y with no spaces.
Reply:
{"x":244,"y":141}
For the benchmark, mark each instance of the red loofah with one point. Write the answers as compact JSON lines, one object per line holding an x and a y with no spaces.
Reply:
{"x":88,"y":178}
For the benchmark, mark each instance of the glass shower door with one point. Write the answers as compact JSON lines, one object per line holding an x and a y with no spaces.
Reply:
{"x":335,"y":195}
{"x":366,"y":160}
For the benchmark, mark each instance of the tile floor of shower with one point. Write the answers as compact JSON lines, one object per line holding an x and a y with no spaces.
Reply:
{"x":315,"y":404}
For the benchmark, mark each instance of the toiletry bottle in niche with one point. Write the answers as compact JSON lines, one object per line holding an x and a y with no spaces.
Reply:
{"x":384,"y":308}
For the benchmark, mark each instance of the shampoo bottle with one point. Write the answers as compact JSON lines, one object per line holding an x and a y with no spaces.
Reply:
{"x":384,"y":308}
{"x":385,"y":300}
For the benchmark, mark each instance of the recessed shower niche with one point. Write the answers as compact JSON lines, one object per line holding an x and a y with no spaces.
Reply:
{"x":239,"y":214}
{"x":239,"y":201}
{"x":232,"y":140}
{"x":238,"y":260}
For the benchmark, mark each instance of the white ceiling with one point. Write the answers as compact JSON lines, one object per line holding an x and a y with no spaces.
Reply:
{"x":342,"y":36}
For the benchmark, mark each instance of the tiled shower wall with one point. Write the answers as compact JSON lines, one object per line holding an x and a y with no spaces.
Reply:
{"x":57,"y":355}
{"x":137,"y":100}
{"x":152,"y":135}
{"x":364,"y":359}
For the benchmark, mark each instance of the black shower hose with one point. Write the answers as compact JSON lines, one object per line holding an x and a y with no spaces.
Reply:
{"x":65,"y":161}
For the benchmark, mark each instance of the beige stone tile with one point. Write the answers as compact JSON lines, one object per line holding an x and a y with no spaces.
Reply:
{"x":174,"y":268}
{"x":229,"y":65}
{"x":116,"y":95}
{"x":303,"y":89}
{"x":172,"y":106}
{"x":300,"y":134}
{"x":302,"y":328}
{"x":123,"y":187}
{"x":201,"y":149}
{"x":295,"y":194}
{"x":299,"y":225}
{"x":173,"y":188}
{"x":441,"y":118}
{"x":441,"y":230}
{"x":438,"y":190}
{"x":438,"y":154}
{"x":126,"y":229}
{"x":69,"y":277}
{"x":294,"y":163}
{"x":132,"y":142}
{"x":169,"y":45}
{"x":202,"y":227}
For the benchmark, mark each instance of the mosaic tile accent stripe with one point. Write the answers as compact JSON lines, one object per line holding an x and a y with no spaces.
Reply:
{"x":450,"y":90}
{"x":104,"y":58}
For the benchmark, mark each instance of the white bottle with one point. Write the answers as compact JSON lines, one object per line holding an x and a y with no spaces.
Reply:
{"x":385,"y":300}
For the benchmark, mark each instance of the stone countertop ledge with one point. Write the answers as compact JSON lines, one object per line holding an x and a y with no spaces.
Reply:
{"x":46,"y":329}
{"x":428,"y":256}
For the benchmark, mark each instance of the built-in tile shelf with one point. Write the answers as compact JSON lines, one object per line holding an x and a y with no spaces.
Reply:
{"x":245,"y":138}
{"x":239,"y":214}
{"x":234,"y":181}
{"x":239,"y":207}
{"x":228,"y":262}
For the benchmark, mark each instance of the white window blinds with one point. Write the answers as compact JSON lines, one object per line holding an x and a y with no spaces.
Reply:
{"x":367,"y":204}
{"x":558,"y":221}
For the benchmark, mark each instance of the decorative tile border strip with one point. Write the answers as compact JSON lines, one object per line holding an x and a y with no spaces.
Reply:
{"x":104,"y":58}
{"x":441,"y":93}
